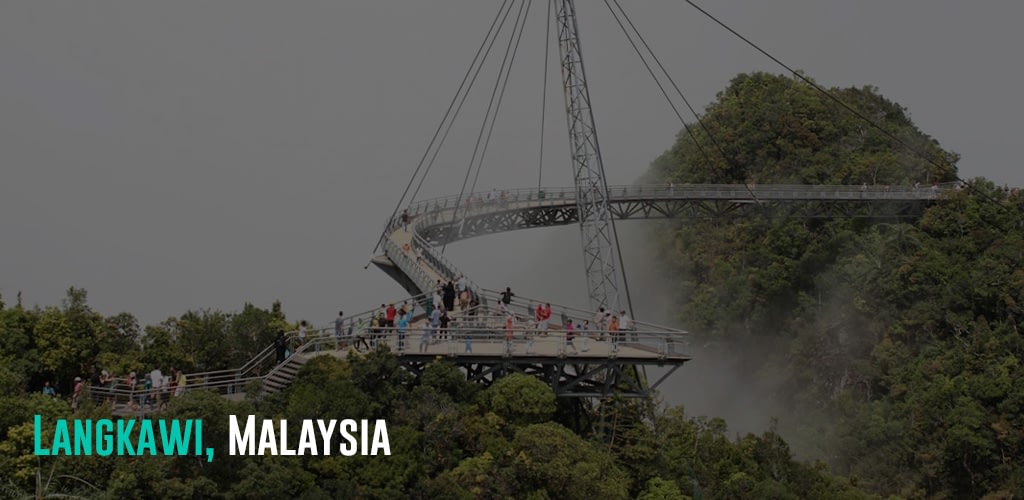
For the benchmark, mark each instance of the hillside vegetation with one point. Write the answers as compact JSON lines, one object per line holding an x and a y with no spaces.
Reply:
{"x":895,"y":346}
{"x":449,"y":438}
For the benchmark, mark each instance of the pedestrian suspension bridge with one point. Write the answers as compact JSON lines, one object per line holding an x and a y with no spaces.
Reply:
{"x":488,"y":339}
{"x":590,"y":363}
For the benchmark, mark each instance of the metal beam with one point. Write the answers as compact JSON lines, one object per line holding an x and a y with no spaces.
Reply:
{"x":600,"y":246}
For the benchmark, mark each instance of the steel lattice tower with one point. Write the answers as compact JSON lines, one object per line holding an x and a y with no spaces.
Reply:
{"x":600,"y":246}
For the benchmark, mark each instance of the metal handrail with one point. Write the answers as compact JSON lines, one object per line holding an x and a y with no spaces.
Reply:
{"x":576,"y":312}
{"x":232,"y":380}
{"x":486,"y":199}
{"x":490,"y":329}
{"x":486,"y":328}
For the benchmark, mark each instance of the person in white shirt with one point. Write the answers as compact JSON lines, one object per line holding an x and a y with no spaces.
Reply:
{"x":438,"y":301}
{"x":625,"y":323}
{"x":156,"y":377}
{"x":599,"y":323}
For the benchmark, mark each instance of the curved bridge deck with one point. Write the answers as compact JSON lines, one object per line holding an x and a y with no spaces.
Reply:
{"x":411,"y":258}
{"x":593,"y":364}
{"x":485,"y":213}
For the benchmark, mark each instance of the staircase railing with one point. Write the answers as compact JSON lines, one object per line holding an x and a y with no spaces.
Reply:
{"x":234,"y":381}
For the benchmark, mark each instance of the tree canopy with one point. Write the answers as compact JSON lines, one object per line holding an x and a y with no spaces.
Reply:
{"x":449,"y":438}
{"x":895,"y":345}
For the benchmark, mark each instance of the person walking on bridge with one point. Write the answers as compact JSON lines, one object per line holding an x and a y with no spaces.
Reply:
{"x":338,"y":328}
{"x":389,"y":315}
{"x":569,"y":333}
{"x":599,"y":322}
{"x":626,"y":324}
{"x":435,"y":323}
{"x":613,"y":332}
{"x":437,"y":301}
{"x":506,"y":297}
{"x":403,"y":325}
{"x":509,"y":331}
{"x":280,"y":344}
{"x":442,"y":323}
{"x":448,"y":297}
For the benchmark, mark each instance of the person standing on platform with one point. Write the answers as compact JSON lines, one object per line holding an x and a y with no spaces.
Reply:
{"x":403,"y":325}
{"x":509,"y":331}
{"x":389,"y":315}
{"x":280,"y":345}
{"x":506,"y":297}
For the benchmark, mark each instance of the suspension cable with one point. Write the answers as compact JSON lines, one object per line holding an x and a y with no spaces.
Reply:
{"x":465,"y":96}
{"x":504,"y":69}
{"x":731,"y":161}
{"x":658,"y":82}
{"x":501,"y":96}
{"x":548,"y":21}
{"x":440,"y":125}
{"x":926,"y":157}
{"x":817,"y":87}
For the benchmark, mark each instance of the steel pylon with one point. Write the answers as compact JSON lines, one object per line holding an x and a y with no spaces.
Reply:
{"x":600,"y":246}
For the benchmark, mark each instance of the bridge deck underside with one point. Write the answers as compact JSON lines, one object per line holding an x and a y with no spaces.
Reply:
{"x":526,"y":216}
{"x":572,"y":375}
{"x":566,"y":377}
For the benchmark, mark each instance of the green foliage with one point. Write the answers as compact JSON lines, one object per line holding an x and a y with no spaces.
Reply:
{"x":326,"y":375}
{"x":541,"y":461}
{"x":448,"y":440}
{"x":521,"y":399}
{"x":772,"y":129}
{"x":896,"y":347}
{"x":660,"y":489}
{"x":275,"y":477}
{"x":447,"y":379}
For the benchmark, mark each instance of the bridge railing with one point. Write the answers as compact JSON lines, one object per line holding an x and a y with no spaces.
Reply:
{"x":521,"y":303}
{"x":233,"y":381}
{"x":524,"y":311}
{"x":408,"y":262}
{"x":482,"y":335}
{"x":486,"y":201}
{"x":411,"y":259}
{"x":442,"y":264}
{"x":489,"y":336}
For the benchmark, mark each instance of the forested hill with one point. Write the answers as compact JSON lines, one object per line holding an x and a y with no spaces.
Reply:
{"x":895,"y":347}
{"x":771,"y":129}
{"x":449,"y":438}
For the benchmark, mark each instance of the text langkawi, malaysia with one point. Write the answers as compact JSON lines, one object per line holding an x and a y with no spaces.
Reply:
{"x":140,"y":437}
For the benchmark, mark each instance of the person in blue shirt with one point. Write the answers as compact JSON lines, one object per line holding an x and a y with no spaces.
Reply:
{"x":403,"y":325}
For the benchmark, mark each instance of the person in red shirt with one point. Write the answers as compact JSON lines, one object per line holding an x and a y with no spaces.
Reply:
{"x":389,"y":315}
{"x":508,"y":334}
{"x":543,"y":315}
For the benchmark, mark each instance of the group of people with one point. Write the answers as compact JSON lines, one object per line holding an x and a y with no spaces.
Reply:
{"x":443,"y":313}
{"x":154,"y":389}
{"x":604,"y":324}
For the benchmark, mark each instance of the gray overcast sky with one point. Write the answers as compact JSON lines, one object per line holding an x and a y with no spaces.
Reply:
{"x":176,"y":155}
